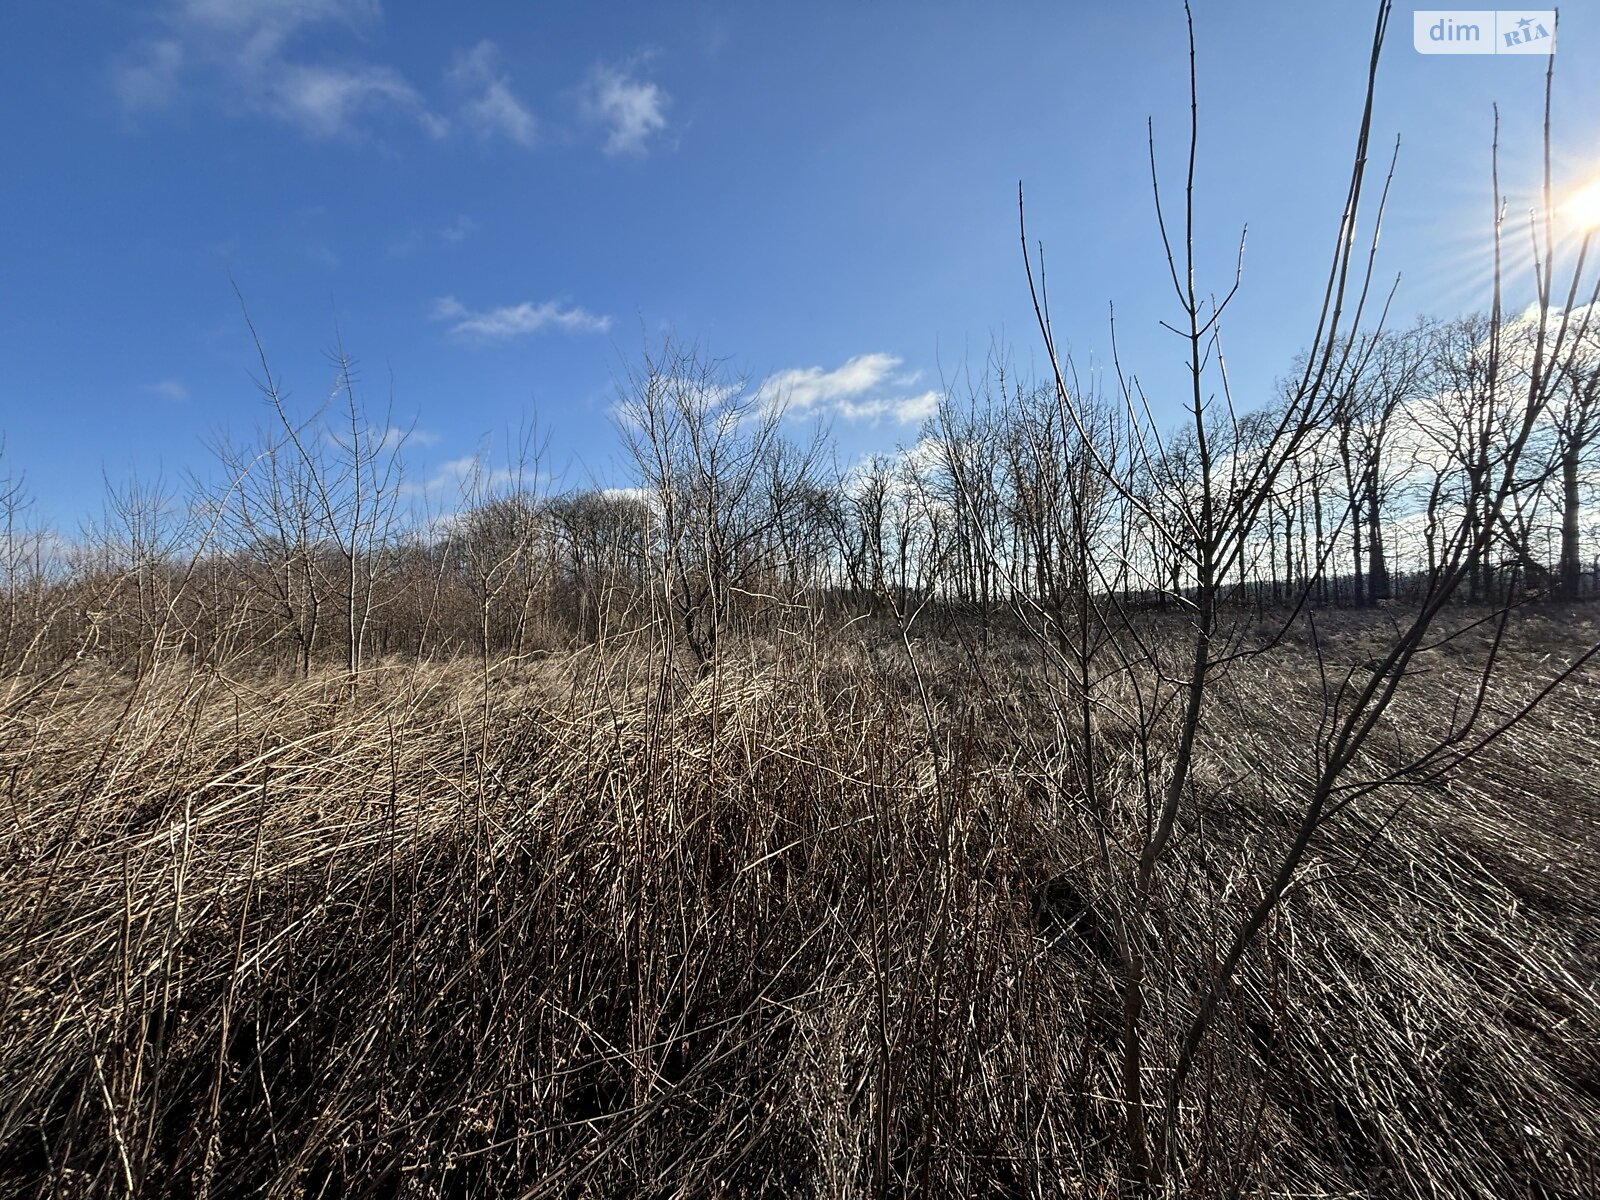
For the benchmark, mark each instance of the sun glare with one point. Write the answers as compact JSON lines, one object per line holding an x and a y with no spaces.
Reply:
{"x":1582,"y":208}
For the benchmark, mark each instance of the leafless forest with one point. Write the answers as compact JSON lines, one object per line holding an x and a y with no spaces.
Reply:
{"x":1079,"y":802}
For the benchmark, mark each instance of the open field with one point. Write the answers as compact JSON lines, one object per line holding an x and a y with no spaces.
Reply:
{"x":802,"y":926}
{"x":1154,"y":759}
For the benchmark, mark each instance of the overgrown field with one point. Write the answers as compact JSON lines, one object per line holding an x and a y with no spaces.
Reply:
{"x":833,"y":920}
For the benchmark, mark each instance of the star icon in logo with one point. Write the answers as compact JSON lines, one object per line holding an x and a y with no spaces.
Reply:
{"x":1524,"y":23}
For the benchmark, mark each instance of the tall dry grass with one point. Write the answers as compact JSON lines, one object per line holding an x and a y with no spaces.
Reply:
{"x":804,"y":927}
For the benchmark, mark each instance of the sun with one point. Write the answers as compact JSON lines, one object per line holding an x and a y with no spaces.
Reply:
{"x":1582,"y":208}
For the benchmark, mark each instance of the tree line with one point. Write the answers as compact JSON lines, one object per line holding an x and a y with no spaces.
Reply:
{"x":1017,"y":499}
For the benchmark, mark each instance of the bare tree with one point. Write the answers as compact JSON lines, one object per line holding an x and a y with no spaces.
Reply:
{"x":1230,"y":491}
{"x":495,"y":535}
{"x":1383,"y":375}
{"x":351,"y":471}
{"x":606,"y":539}
{"x":269,"y":518}
{"x":705,"y":446}
{"x":1576,"y":417}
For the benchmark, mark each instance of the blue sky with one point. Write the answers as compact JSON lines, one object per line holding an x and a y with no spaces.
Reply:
{"x":496,"y":204}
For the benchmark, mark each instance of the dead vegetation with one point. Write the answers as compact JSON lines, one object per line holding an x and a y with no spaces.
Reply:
{"x":1012,"y":817}
{"x":776,"y":931}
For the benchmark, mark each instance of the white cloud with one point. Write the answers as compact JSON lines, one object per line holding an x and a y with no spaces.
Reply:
{"x":293,"y":61}
{"x":901,"y":469}
{"x":241,"y":54}
{"x":168,"y":389}
{"x":395,"y":437}
{"x":446,"y":477}
{"x":265,"y":25}
{"x":916,"y":408}
{"x":909,"y":410}
{"x":632,"y":110}
{"x":148,"y":78}
{"x":417,"y":238}
{"x":495,"y":110}
{"x":714,"y":397}
{"x":325,"y":101}
{"x":516,"y":320}
{"x":852,"y":392}
{"x":804,"y":388}
{"x":461,"y":477}
{"x":323,"y":255}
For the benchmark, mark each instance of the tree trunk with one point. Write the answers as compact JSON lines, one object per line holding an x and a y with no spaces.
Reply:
{"x":1569,"y":575}
{"x":1377,"y":568}
{"x":1322,"y":549}
{"x":1360,"y":598}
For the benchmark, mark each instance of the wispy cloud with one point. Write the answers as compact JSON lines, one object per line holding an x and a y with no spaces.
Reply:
{"x":632,"y":110}
{"x":395,"y":437}
{"x":462,"y":477}
{"x":243,"y":53}
{"x":907,"y":410}
{"x":445,"y":477}
{"x":418,"y":238}
{"x":861,"y":390}
{"x":382,"y":438}
{"x":806,"y":388}
{"x":327,"y":102}
{"x":493,"y":109}
{"x":516,"y":320}
{"x":167,"y":389}
{"x":301,"y":63}
{"x":322,"y":254}
{"x":148,"y":76}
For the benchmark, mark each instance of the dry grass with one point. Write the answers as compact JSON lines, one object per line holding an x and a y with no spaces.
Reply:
{"x":766,"y":935}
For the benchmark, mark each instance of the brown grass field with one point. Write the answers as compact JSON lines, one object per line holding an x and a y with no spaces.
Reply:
{"x":786,"y":931}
